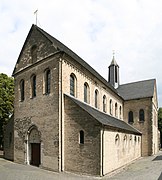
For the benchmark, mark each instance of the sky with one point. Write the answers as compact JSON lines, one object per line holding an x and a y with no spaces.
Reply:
{"x":92,"y":29}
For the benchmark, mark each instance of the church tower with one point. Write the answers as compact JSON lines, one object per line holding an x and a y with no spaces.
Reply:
{"x":113,"y":76}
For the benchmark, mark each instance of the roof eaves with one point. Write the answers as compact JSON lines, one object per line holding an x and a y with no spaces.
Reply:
{"x":75,"y":100}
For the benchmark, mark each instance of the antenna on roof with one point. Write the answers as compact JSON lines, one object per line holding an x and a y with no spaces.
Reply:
{"x":36,"y":12}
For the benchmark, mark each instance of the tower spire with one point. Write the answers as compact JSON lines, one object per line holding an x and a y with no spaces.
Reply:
{"x":113,"y":76}
{"x":113,"y":59}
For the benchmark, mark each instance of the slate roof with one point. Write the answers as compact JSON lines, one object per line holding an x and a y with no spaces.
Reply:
{"x":104,"y":118}
{"x":68,"y":51}
{"x":136,"y":90}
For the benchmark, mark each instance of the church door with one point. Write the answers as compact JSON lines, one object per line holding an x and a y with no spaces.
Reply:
{"x":34,"y":147}
{"x":35,"y":154}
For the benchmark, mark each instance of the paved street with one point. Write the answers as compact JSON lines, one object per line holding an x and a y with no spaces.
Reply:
{"x":148,"y":168}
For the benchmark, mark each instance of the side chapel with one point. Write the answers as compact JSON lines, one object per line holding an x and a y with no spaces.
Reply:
{"x":67,"y":117}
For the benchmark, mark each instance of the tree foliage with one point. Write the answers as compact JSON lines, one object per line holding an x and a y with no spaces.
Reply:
{"x":6,"y":101}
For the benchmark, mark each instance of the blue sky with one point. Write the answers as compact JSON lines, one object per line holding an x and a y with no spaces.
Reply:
{"x":92,"y":29}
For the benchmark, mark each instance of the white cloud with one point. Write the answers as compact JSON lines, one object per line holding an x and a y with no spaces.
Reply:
{"x":92,"y":29}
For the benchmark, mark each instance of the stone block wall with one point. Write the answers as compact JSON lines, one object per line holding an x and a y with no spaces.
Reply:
{"x":9,"y":140}
{"x":42,"y":110}
{"x":155,"y":138}
{"x":83,"y":76}
{"x":146,"y":126}
{"x":81,"y":158}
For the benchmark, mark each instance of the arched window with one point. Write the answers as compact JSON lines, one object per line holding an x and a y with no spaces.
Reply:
{"x":125,"y":141}
{"x":111,"y":106}
{"x":33,"y":54}
{"x":33,"y":86}
{"x":135,"y":138}
{"x":96,"y":98}
{"x":47,"y":81}
{"x":72,"y":85}
{"x":117,"y":139}
{"x":141,"y":115}
{"x":125,"y":137}
{"x":138,"y":139}
{"x":104,"y":103}
{"x":22,"y":90}
{"x":116,"y":109}
{"x":86,"y":93}
{"x":81,"y":137}
{"x":120,"y":112}
{"x":130,"y":117}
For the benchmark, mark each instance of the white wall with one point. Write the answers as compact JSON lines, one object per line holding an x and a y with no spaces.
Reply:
{"x":121,"y":151}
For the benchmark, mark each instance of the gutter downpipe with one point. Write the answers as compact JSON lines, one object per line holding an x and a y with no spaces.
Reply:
{"x":102,"y":151}
{"x":60,"y":115}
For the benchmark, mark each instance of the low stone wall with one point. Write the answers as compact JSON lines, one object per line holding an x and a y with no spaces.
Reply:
{"x":9,"y":140}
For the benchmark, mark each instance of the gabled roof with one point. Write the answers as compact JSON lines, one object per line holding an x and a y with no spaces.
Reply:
{"x":62,"y":47}
{"x":136,"y":90}
{"x":104,"y":118}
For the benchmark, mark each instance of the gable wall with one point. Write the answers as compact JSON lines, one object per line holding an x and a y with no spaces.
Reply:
{"x":42,"y":110}
{"x":45,"y":49}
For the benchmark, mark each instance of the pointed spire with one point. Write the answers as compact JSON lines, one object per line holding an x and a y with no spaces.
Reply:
{"x":113,"y":76}
{"x":113,"y":62}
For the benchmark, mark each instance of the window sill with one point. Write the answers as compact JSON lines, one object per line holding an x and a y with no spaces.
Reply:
{"x":141,"y":121}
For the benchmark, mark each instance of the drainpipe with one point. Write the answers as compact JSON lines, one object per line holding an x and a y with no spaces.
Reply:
{"x":60,"y":115}
{"x":102,"y":151}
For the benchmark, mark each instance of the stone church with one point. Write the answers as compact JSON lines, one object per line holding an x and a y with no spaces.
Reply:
{"x":67,"y":117}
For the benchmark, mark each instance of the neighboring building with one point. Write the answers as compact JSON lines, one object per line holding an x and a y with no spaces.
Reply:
{"x":67,"y":117}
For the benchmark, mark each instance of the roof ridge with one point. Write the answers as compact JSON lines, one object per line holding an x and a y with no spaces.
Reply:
{"x":153,"y":79}
{"x":81,"y":61}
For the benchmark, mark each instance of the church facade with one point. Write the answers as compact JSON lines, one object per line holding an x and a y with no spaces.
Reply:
{"x":67,"y":117}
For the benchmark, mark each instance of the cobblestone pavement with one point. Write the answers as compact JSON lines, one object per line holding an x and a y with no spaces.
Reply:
{"x":147,"y":168}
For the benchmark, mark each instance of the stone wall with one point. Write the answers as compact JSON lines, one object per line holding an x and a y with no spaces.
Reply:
{"x":81,"y":158}
{"x":146,"y":126}
{"x":82,"y":76}
{"x":9,"y":140}
{"x":155,"y":137}
{"x":41,"y":111}
{"x":120,"y":148}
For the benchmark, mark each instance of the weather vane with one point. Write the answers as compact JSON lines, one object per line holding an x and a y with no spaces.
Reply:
{"x":36,"y":12}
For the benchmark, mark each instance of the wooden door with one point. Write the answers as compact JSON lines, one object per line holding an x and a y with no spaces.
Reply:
{"x":35,"y":154}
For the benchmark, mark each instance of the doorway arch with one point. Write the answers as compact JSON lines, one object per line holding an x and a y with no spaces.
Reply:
{"x":34,"y":146}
